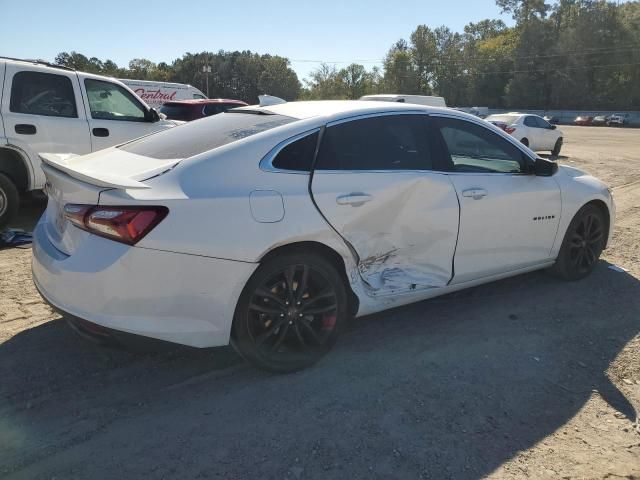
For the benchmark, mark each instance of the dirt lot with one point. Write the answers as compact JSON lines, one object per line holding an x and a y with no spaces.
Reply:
{"x":524,"y":378}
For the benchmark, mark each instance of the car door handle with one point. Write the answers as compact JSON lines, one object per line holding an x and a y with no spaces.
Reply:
{"x":475,"y":193}
{"x":354,"y":199}
{"x":25,"y":129}
{"x":101,"y":132}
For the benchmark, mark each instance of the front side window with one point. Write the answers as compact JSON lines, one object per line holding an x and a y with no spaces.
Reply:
{"x":108,"y":101}
{"x":475,"y":149}
{"x":297,"y":155}
{"x":37,"y":93}
{"x":387,"y":142}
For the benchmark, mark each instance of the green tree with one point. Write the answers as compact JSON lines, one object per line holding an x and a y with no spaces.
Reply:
{"x":399,"y":70}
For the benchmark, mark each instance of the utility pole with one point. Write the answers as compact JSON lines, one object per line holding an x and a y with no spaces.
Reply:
{"x":206,"y":69}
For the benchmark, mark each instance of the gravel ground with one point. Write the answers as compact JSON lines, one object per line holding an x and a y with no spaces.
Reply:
{"x":524,"y":378}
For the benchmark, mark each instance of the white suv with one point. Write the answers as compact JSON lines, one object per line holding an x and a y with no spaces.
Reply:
{"x":47,"y":108}
{"x":533,"y":131}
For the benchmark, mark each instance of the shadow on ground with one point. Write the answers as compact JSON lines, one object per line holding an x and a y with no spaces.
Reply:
{"x":447,"y":388}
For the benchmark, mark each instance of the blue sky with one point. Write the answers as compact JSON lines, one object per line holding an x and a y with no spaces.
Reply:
{"x":162,"y":30}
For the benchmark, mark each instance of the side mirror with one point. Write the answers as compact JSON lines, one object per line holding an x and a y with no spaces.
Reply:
{"x":544,"y":168}
{"x":553,"y":127}
{"x":152,"y":115}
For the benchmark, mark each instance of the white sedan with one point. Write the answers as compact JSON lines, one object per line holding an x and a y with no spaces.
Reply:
{"x":532,"y":130}
{"x":270,"y":226}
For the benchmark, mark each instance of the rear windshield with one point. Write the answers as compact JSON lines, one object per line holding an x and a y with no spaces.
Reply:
{"x":508,"y":119}
{"x":197,"y":137}
{"x":175,"y":112}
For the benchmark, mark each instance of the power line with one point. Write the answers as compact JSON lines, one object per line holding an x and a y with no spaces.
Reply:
{"x":449,"y":59}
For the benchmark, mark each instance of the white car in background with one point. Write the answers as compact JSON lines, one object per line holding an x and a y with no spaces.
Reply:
{"x":532,"y":130}
{"x":270,"y":226}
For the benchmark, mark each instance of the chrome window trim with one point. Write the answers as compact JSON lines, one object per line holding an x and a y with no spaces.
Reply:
{"x":361,"y":116}
{"x":266,"y":164}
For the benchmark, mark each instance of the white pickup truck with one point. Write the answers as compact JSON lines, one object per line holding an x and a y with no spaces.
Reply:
{"x":47,"y":108}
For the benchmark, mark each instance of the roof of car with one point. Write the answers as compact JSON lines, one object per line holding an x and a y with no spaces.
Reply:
{"x":330,"y":108}
{"x":202,"y":101}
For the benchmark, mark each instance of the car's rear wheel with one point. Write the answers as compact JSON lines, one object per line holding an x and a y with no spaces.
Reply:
{"x":9,"y":200}
{"x":290,"y":313}
{"x":557,"y":147}
{"x":525,"y":142}
{"x":582,"y":245}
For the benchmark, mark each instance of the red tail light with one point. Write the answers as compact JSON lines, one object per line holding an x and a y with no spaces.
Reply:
{"x":122,"y":224}
{"x":509,"y":130}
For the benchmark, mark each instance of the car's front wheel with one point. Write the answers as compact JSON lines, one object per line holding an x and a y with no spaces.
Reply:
{"x":557,"y":147}
{"x":290,"y":312}
{"x":582,"y":245}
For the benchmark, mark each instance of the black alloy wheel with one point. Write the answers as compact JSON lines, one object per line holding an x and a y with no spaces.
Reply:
{"x":582,"y":245}
{"x":585,"y":245}
{"x":290,"y":312}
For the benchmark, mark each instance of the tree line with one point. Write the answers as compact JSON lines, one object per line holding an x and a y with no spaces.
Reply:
{"x":565,"y":54}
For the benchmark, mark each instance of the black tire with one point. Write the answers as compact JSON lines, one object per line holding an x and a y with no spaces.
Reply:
{"x":275,"y":327}
{"x":525,"y":142}
{"x":9,"y":200}
{"x":582,"y":244}
{"x":557,"y":147}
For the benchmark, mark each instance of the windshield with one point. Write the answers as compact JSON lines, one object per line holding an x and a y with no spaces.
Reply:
{"x":501,"y":118}
{"x":203,"y":135}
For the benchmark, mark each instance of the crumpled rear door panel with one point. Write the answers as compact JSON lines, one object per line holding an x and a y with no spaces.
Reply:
{"x":405,"y":230}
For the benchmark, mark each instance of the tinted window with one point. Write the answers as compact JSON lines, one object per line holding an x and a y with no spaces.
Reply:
{"x":397,"y":142}
{"x":176,"y":112}
{"x":297,"y":155}
{"x":531,"y":122}
{"x":47,"y":94}
{"x":197,"y":137}
{"x":473,"y":148}
{"x":108,"y":101}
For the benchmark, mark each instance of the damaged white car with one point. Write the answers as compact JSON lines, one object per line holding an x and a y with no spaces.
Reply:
{"x":270,"y":226}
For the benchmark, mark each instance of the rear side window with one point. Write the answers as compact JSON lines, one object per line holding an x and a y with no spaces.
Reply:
{"x":212,"y":132}
{"x":388,"y":142}
{"x":297,"y":155}
{"x":531,"y":122}
{"x":37,"y":93}
{"x":476,"y":149}
{"x":176,"y":112}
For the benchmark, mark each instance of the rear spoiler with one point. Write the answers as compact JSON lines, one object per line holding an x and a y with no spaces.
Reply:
{"x":63,"y":162}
